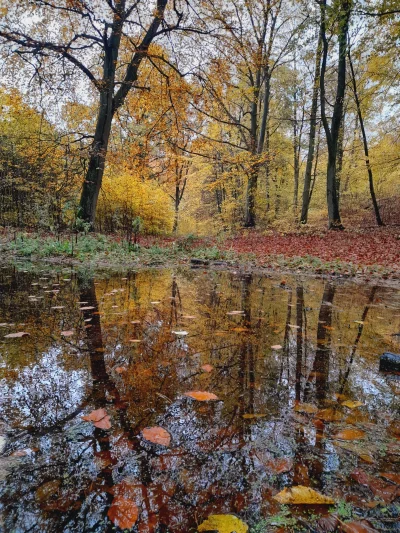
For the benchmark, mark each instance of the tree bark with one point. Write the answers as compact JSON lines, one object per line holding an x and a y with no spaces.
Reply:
{"x":365,"y":144}
{"x":332,"y":131}
{"x":111,"y":101}
{"x":313,"y":129}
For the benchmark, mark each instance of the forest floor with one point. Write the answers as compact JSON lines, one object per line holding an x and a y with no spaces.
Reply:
{"x":365,"y":254}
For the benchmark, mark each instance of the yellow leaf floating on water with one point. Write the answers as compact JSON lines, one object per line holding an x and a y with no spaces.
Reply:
{"x":352,"y":405}
{"x":302,"y":495}
{"x":223,"y":523}
{"x":305,"y":408}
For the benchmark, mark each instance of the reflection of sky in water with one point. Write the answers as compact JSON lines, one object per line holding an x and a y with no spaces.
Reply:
{"x":45,"y":392}
{"x":217,"y":457}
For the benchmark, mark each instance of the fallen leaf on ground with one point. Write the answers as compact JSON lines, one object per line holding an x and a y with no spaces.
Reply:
{"x":16,"y":335}
{"x":100,"y":419}
{"x":349,"y":434}
{"x":207,"y":368}
{"x":302,"y":495}
{"x":223,"y":523}
{"x":120,"y":369}
{"x":201,"y":396}
{"x":276,"y":347}
{"x":235,"y":313}
{"x":352,"y":405}
{"x":180,"y":333}
{"x":363,"y":526}
{"x":158,"y":435}
{"x":123,"y":512}
{"x":249,"y":416}
{"x":306,"y":408}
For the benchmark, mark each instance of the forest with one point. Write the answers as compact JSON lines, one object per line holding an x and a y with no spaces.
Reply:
{"x":199,"y":266}
{"x":201,"y":118}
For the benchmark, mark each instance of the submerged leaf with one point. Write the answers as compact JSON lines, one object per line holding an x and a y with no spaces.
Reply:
{"x":363,"y":526}
{"x":158,"y":435}
{"x":302,"y":495}
{"x":100,"y":419}
{"x":350,"y":434}
{"x":223,"y":523}
{"x":16,"y":335}
{"x":201,"y":396}
{"x":305,"y":408}
{"x":123,"y":512}
{"x":352,"y":405}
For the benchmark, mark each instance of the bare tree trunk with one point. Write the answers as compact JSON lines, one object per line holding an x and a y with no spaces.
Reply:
{"x":365,"y":144}
{"x":332,"y":131}
{"x":313,"y":129}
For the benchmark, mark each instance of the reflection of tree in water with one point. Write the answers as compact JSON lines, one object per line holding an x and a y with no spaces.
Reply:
{"x":213,"y":464}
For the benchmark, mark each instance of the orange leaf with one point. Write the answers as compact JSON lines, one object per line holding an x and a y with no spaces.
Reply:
{"x":123,"y":512}
{"x":350,"y":434}
{"x":100,"y":419}
{"x":329,"y":415}
{"x":391,"y":477}
{"x":207,"y":368}
{"x":201,"y":396}
{"x":157,"y":435}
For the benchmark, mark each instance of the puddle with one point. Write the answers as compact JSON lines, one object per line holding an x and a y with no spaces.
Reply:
{"x":283,"y":384}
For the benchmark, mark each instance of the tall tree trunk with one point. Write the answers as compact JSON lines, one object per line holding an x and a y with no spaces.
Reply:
{"x":339,"y":155}
{"x":111,"y":101}
{"x":94,"y":175}
{"x":365,"y":144}
{"x":332,"y":131}
{"x":313,"y":130}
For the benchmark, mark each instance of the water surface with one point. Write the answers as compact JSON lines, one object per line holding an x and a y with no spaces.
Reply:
{"x":283,"y":357}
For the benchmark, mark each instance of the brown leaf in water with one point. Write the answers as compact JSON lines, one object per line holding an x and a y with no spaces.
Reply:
{"x":349,"y":434}
{"x":158,"y":435}
{"x":47,"y":490}
{"x":17,"y":335}
{"x":329,"y":415}
{"x":327,"y":524}
{"x":123,"y":512}
{"x":201,"y":396}
{"x":306,"y":408}
{"x":386,"y":491}
{"x":100,"y":418}
{"x":391,"y":477}
{"x":280,"y":465}
{"x":362,"y":526}
{"x":302,"y":495}
{"x":207,"y":368}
